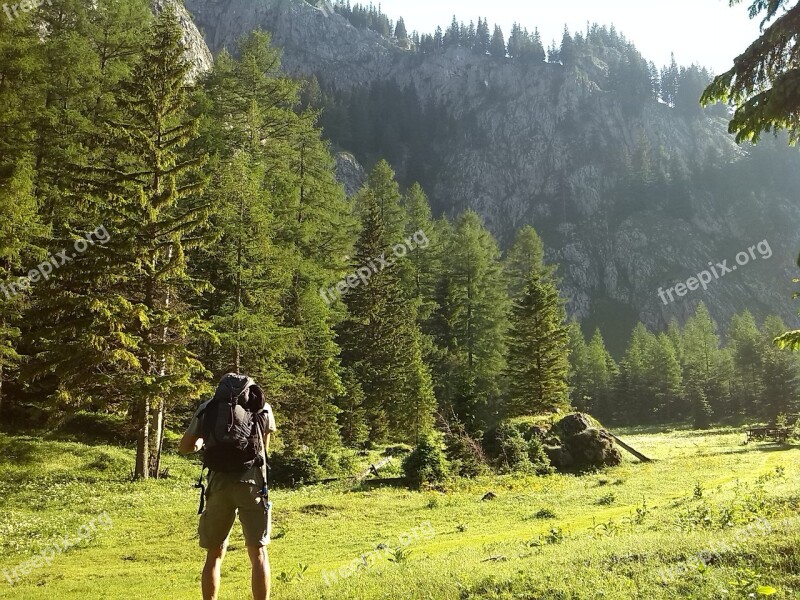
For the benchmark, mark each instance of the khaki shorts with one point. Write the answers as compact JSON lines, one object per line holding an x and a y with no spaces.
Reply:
{"x":224,"y":497}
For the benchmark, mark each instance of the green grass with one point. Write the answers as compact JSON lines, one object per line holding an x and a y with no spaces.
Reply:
{"x":603,"y":535}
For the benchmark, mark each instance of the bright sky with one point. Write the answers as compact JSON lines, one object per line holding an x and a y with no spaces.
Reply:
{"x":708,"y":32}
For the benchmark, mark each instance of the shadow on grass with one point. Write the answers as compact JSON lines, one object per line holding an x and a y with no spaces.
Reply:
{"x":19,"y":450}
{"x":765,"y":447}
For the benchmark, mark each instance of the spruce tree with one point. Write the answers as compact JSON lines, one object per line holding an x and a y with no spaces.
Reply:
{"x":22,"y":76}
{"x":667,"y":378}
{"x":601,"y":371}
{"x":579,"y":386}
{"x":497,"y":47}
{"x":484,"y":36}
{"x":537,"y":53}
{"x":762,"y":82}
{"x":635,"y":403}
{"x":400,"y":32}
{"x":538,"y":355}
{"x":380,"y":338}
{"x":567,"y":53}
{"x":118,"y":320}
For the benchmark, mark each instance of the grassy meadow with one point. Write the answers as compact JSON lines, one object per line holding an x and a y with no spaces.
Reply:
{"x":634,"y":531}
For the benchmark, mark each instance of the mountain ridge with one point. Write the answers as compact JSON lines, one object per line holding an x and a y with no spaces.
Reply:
{"x":627,"y":192}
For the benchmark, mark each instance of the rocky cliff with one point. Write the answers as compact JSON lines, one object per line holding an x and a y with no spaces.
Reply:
{"x":629,"y":195}
{"x":196,"y":47}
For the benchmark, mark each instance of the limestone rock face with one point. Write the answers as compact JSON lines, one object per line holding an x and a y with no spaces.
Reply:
{"x":349,"y":173}
{"x":551,"y":146}
{"x":196,"y":49}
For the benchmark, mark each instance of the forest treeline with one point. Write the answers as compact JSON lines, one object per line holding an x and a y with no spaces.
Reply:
{"x":690,"y":373}
{"x":629,"y":72}
{"x":224,"y":220}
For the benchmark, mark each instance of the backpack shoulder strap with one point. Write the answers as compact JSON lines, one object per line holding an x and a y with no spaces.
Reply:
{"x":264,"y":465}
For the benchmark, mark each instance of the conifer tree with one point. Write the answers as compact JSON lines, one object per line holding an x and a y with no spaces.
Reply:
{"x":21,"y":80}
{"x":484,"y":36}
{"x":747,"y":345}
{"x":669,"y":82}
{"x":705,"y":368}
{"x":424,"y":262}
{"x":452,"y":36}
{"x":525,"y":256}
{"x":667,"y":378}
{"x":471,"y":323}
{"x":579,"y":386}
{"x":538,"y":360}
{"x":635,"y":401}
{"x":283,"y":222}
{"x":567,"y":53}
{"x":762,"y":82}
{"x":497,"y":46}
{"x":63,"y":127}
{"x":380,"y":338}
{"x":400,"y":32}
{"x":601,"y":371}
{"x":118,"y":322}
{"x":781,"y":371}
{"x":537,"y":53}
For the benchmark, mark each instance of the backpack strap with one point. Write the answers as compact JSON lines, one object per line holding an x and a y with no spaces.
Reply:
{"x":264,"y":465}
{"x":201,"y":486}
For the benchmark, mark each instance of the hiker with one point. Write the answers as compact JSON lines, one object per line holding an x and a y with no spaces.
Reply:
{"x":234,"y":426}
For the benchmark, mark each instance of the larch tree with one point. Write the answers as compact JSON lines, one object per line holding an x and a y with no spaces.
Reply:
{"x":471,"y":322}
{"x":706,"y":368}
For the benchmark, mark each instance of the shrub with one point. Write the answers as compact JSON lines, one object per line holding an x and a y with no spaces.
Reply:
{"x":513,"y":452}
{"x":289,"y":467}
{"x":538,"y":458}
{"x":426,"y":464}
{"x":397,"y":450}
{"x":545,"y":513}
{"x":465,"y":455}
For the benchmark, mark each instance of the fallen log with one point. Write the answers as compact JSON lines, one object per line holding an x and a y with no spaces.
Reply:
{"x":373,"y":469}
{"x":625,"y":446}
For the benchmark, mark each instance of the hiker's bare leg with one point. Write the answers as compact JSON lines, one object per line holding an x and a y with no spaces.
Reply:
{"x":211,"y":572}
{"x":260,"y":562}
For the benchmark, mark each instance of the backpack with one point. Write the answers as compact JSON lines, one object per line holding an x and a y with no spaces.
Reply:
{"x":230,"y":428}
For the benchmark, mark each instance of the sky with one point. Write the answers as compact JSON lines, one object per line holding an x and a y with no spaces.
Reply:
{"x":707,"y":32}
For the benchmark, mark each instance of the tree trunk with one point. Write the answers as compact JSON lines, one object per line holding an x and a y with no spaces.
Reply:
{"x":156,"y":427}
{"x":143,"y":441}
{"x":2,"y":378}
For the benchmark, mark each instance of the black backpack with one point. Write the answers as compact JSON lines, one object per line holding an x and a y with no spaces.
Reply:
{"x":233,"y":439}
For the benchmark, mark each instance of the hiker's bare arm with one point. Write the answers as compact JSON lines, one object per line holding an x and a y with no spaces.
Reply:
{"x":190,"y":444}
